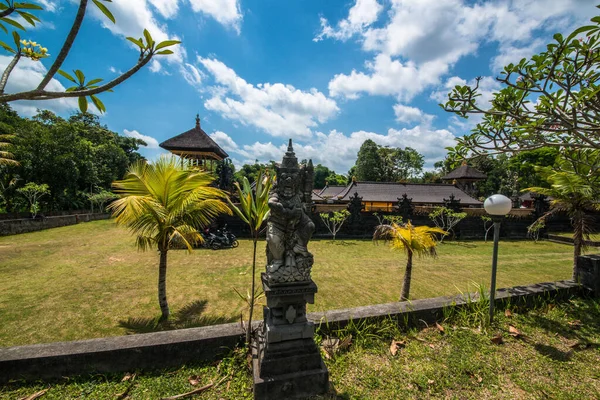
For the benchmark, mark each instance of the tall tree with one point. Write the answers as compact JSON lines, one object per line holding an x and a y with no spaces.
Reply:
{"x":163,"y":203}
{"x":324,"y":176}
{"x":413,"y":240}
{"x":84,"y":88}
{"x":368,"y":162}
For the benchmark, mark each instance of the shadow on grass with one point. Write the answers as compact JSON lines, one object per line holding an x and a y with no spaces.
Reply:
{"x":189,"y":316}
{"x":468,"y":245}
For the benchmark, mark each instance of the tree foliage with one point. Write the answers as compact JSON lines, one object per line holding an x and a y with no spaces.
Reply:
{"x":74,"y":157}
{"x":323,"y":176}
{"x":446,"y":219}
{"x":334,"y":220}
{"x":575,"y":190}
{"x":387,"y":164}
{"x":164,"y":204}
{"x":85,"y":90}
{"x":550,"y":100}
{"x":33,"y":192}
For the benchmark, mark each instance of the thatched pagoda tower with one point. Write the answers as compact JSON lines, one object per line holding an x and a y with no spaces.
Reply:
{"x":196,"y":146}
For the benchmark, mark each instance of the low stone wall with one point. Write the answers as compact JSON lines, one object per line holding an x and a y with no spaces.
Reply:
{"x":568,"y":240}
{"x":172,"y":348}
{"x":16,"y":226}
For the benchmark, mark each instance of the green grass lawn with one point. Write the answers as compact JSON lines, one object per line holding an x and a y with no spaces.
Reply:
{"x":556,"y":357}
{"x":81,"y":281}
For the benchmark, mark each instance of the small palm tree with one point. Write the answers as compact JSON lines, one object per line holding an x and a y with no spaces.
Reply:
{"x":419,"y":240}
{"x":163,"y":203}
{"x":575,"y":194}
{"x":6,"y":157}
{"x":254,"y":211}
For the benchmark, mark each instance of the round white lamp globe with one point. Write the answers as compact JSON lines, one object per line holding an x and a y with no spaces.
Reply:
{"x":497,"y":204}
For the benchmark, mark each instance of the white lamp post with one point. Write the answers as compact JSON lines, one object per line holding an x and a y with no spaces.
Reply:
{"x":497,"y":206}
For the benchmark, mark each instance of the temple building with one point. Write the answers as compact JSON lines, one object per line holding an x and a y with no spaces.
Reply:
{"x":196,"y":146}
{"x":465,"y":178}
{"x":385,"y":196}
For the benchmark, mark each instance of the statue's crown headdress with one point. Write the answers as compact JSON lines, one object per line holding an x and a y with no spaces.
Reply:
{"x":289,"y":162}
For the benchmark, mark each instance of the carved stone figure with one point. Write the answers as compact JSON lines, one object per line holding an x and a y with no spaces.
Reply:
{"x":406,"y":207}
{"x":289,"y":227}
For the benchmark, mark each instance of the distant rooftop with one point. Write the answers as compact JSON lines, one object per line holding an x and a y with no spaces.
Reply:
{"x":464,"y":172}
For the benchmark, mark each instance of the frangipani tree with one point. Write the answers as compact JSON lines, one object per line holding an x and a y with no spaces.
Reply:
{"x":413,"y":240}
{"x":83,"y":88}
{"x":253,"y":209}
{"x":162,"y":203}
{"x":549,"y":100}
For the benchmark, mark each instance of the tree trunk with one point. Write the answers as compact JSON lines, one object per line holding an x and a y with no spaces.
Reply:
{"x":249,"y":327}
{"x":577,"y":245}
{"x":162,"y":285}
{"x":407,"y":276}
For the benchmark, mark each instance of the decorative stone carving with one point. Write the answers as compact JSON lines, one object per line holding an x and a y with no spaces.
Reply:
{"x":355,"y":206}
{"x":287,"y":363}
{"x":406,"y":207}
{"x":452,"y":203}
{"x":541,"y":205}
{"x":289,"y":227}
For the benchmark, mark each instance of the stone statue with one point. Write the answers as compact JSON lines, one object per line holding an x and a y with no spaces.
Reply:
{"x":289,"y":227}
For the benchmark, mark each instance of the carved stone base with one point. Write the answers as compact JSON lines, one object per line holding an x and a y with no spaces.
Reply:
{"x":287,"y":363}
{"x":294,"y":371}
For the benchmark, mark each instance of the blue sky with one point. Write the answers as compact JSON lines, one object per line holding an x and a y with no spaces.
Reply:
{"x":329,"y":74}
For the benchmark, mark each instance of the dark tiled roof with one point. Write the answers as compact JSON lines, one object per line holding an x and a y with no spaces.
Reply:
{"x":465,"y":172}
{"x":331,"y":191}
{"x":194,"y":140}
{"x":421,"y":193}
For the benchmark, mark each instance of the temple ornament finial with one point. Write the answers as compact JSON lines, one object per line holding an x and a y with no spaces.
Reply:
{"x":197,"y":120}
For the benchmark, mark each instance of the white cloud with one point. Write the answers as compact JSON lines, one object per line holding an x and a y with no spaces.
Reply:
{"x":226,"y":12}
{"x":338,"y":151}
{"x":417,"y":42}
{"x":388,"y":77}
{"x":225,"y":141}
{"x":26,"y":76}
{"x":278,"y":109}
{"x":192,"y":75}
{"x":48,"y":5}
{"x":167,"y":8}
{"x":407,"y":114}
{"x":360,"y":16}
{"x":150,"y":141}
{"x":513,"y":54}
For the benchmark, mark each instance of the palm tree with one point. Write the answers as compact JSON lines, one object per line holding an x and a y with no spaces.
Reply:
{"x":254,"y":211}
{"x":163,"y":203}
{"x":419,"y":240}
{"x":6,"y":157}
{"x":574,"y":191}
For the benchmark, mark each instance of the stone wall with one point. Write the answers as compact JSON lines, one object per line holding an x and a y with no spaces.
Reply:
{"x":24,"y":225}
{"x":512,"y":227}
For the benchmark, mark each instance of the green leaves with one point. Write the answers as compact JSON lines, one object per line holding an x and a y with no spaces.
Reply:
{"x":254,"y":205}
{"x":79,"y":80}
{"x":105,"y":10}
{"x":137,"y":42}
{"x":66,"y":75}
{"x":150,"y":46}
{"x":83,"y":104}
{"x":166,"y":43}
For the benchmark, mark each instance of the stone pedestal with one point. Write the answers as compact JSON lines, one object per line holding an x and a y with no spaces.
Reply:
{"x":589,"y":272}
{"x":287,"y":363}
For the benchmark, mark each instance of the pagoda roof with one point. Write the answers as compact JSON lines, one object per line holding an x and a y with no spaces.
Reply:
{"x":194,"y":140}
{"x":465,"y":172}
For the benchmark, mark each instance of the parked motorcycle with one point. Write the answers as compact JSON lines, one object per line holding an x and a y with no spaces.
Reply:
{"x":222,"y":239}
